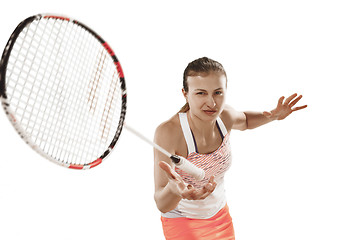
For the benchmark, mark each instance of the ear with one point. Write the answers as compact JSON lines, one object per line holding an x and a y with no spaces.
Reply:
{"x":185,"y":94}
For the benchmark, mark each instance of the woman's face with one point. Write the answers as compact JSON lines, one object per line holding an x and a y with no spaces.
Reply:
{"x":206,"y":94}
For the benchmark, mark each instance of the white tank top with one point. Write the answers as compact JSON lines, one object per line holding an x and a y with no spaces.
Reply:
{"x":214,"y":164}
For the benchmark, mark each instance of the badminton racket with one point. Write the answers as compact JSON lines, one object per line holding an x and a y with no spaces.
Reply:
{"x":63,"y":89}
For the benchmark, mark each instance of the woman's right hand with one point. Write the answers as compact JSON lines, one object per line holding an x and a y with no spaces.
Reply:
{"x":179,"y":187}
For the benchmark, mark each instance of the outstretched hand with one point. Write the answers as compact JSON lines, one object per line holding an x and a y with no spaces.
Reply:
{"x":178,"y":186}
{"x":284,"y":108}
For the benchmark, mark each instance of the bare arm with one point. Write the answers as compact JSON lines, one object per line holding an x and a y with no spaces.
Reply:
{"x":166,"y":197}
{"x":251,"y":120}
{"x":169,"y":186}
{"x":256,"y":119}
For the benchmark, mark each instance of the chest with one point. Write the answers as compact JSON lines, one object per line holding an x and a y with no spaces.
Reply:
{"x":202,"y":145}
{"x":207,"y":145}
{"x":214,"y":164}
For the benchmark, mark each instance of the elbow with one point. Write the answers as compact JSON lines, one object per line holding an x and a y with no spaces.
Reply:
{"x":162,"y":208}
{"x":159,"y":205}
{"x":165,"y":209}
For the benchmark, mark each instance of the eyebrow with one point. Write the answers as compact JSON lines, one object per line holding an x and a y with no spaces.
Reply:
{"x":199,"y":89}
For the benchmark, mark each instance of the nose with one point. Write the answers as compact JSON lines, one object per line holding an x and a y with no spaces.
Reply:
{"x":210,"y":101}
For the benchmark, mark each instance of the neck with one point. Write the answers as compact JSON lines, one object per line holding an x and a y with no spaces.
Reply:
{"x":203,"y":128}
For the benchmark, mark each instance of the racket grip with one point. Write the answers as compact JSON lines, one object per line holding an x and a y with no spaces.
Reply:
{"x":188,"y":167}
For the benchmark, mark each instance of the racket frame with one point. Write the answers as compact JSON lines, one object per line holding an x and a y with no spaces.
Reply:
{"x":10,"y":114}
{"x":179,"y":161}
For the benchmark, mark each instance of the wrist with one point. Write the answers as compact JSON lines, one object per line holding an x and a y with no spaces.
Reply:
{"x":172,"y":190}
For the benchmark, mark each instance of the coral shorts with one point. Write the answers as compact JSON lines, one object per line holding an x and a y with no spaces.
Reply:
{"x":218,"y":227}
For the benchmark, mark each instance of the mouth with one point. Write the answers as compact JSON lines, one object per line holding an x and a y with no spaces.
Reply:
{"x":209,"y":112}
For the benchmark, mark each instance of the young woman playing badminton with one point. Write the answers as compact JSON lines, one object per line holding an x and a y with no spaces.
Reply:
{"x":193,"y":209}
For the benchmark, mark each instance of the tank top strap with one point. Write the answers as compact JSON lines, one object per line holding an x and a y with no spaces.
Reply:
{"x":221,"y":126}
{"x":189,"y":137}
{"x":187,"y":133}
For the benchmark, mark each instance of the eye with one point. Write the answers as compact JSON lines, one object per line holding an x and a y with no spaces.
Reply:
{"x":200,"y":93}
{"x":218,"y":93}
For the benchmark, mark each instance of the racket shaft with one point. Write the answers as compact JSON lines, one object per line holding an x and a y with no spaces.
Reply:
{"x":147,"y":140}
{"x":179,"y":161}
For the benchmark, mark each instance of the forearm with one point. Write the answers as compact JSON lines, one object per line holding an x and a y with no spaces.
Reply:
{"x":256,"y":119}
{"x":166,"y":200}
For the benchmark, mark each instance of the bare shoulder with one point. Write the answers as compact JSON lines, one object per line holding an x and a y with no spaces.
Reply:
{"x":233,"y":119}
{"x":169,"y":128}
{"x":168,"y":134}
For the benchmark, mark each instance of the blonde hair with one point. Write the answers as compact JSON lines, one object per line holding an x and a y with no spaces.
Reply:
{"x":201,"y":65}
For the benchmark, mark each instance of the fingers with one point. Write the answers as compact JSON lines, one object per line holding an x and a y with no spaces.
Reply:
{"x":295,"y":101}
{"x":280,"y":102}
{"x":201,"y":193}
{"x":292,"y":102}
{"x":167,"y":169}
{"x":190,"y":193}
{"x":208,"y":188}
{"x":298,"y":108}
{"x":187,"y":191}
{"x":288,"y":100}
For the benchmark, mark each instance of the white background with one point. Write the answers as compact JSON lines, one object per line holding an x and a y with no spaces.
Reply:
{"x":294,"y":179}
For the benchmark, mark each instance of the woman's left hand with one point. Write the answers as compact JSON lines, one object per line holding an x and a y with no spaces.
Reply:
{"x":284,"y":108}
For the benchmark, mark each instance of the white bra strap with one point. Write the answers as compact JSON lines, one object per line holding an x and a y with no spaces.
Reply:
{"x":187,"y":132}
{"x":221,"y":126}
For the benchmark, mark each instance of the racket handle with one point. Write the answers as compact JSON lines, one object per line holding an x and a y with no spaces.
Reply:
{"x":188,"y":167}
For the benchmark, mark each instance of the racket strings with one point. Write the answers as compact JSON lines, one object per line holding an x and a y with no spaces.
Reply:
{"x":51,"y":101}
{"x":93,"y":85}
{"x":61,"y":106}
{"x":84,"y":132}
{"x":106,"y":116}
{"x":24,"y":97}
{"x":55,"y":101}
{"x":67,"y":141}
{"x":52,"y":105}
{"x":74,"y":126}
{"x":79,"y":126}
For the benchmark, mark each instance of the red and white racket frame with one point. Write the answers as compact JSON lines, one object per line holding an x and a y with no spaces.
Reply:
{"x":11,"y":116}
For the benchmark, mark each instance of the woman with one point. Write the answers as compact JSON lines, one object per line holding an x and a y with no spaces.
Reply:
{"x":194,"y":209}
